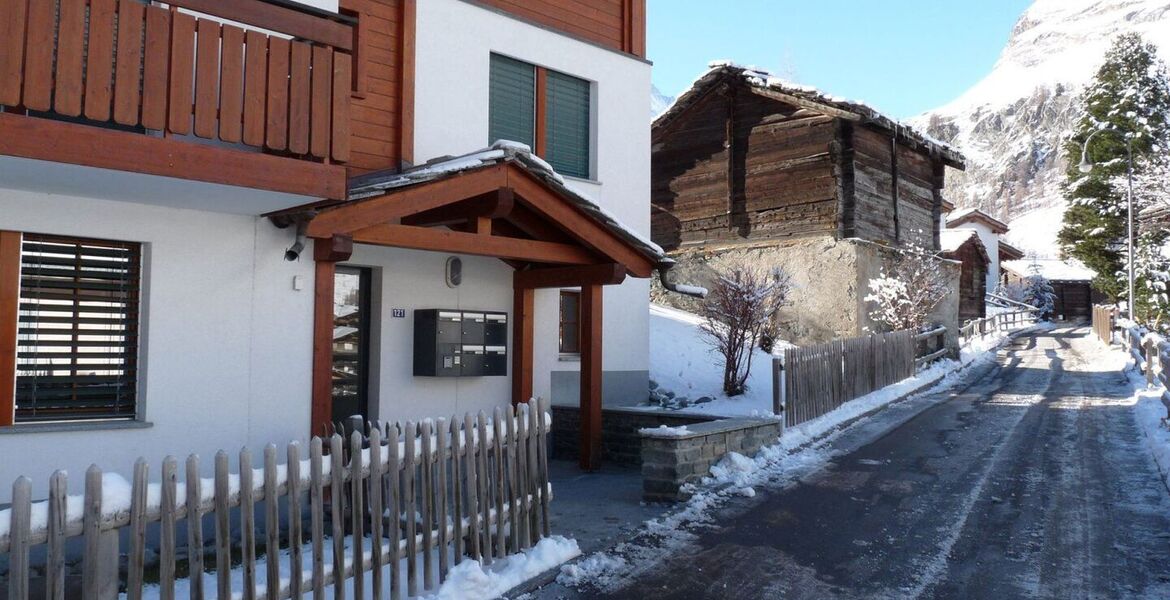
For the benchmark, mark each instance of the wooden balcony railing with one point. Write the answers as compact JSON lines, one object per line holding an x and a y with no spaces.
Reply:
{"x":148,"y":67}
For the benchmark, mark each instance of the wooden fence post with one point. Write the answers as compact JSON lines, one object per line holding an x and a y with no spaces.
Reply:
{"x":1151,"y":354}
{"x":778,"y":385}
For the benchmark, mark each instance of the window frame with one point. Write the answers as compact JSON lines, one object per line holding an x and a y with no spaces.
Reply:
{"x":130,"y":315}
{"x":540,"y":113}
{"x":562,"y":322}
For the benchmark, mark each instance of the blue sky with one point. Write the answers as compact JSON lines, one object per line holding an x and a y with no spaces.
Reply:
{"x":901,"y":56}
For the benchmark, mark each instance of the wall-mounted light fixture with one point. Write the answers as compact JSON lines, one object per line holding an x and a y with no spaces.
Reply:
{"x":454,"y":273}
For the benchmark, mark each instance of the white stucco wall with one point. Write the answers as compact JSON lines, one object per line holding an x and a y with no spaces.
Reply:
{"x":226,"y":340}
{"x":455,"y":42}
{"x":990,"y":241}
{"x":412,"y":280}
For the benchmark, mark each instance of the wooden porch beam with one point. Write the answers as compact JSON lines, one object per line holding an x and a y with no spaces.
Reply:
{"x":9,"y":314}
{"x":591,"y":319}
{"x":327,"y":253}
{"x":523,"y":319}
{"x":558,"y":277}
{"x":397,"y":204}
{"x":492,"y":205}
{"x":458,"y":242}
{"x":589,"y":232}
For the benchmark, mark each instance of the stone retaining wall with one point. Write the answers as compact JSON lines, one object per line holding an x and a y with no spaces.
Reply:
{"x":620,"y":441}
{"x":672,"y":458}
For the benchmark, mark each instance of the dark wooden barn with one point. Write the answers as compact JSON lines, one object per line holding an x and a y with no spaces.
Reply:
{"x":1071,"y":282}
{"x":965,"y":246}
{"x":742,"y":157}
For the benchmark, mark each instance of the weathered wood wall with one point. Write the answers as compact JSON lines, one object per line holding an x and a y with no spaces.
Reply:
{"x":972,"y":281}
{"x":738,"y":166}
{"x":877,"y":219}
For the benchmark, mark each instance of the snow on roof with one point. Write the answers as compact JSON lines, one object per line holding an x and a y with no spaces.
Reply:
{"x":515,"y":153}
{"x":964,"y":215}
{"x":1051,"y":268}
{"x":762,"y":79}
{"x":951,"y":240}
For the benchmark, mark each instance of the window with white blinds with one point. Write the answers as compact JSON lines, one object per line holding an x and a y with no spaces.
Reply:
{"x":77,"y":336}
{"x":512,"y":101}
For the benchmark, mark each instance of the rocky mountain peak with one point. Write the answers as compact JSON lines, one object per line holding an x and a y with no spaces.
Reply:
{"x":1012,"y":125}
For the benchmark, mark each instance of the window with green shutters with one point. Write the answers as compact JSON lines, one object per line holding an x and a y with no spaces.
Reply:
{"x":563,"y":107}
{"x":512,"y":101}
{"x":567,"y":123}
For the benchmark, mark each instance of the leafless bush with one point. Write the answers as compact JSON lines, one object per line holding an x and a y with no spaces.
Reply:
{"x":737,"y":312}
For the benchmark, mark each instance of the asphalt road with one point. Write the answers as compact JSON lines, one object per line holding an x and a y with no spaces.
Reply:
{"x":1029,"y":480}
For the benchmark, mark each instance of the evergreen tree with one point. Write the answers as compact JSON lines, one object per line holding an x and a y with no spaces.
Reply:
{"x":1131,"y":96}
{"x":1037,"y":291}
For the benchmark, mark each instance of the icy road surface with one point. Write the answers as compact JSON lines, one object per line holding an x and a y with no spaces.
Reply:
{"x":1029,"y":480}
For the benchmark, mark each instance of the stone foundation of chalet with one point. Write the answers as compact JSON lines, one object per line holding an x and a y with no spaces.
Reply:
{"x":830,"y":280}
{"x":672,"y":458}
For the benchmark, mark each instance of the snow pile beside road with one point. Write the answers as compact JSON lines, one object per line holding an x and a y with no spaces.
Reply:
{"x":469,"y":580}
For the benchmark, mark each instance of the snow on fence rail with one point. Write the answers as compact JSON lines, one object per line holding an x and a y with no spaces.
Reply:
{"x":1005,"y":321}
{"x":810,"y":381}
{"x":477,"y":486}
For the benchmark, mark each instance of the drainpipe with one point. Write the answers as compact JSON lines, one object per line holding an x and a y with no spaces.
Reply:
{"x":686,"y":290}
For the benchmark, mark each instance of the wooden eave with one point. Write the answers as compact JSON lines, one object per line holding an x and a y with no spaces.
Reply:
{"x":499,"y":210}
{"x":991,"y":222}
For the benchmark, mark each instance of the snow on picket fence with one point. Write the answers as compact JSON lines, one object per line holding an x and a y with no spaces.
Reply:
{"x":475,"y":487}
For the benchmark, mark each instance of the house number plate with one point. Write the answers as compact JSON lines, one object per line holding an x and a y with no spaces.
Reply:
{"x":398,"y":313}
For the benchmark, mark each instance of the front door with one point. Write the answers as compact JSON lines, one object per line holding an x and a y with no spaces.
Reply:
{"x":351,"y":342}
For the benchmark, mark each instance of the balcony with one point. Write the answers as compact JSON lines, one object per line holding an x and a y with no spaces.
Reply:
{"x":239,"y":92}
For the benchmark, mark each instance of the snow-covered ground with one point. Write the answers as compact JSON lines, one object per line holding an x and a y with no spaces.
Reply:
{"x":469,"y":580}
{"x":684,"y":364}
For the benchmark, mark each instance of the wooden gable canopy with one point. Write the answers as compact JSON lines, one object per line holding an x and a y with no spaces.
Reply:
{"x":503,"y":204}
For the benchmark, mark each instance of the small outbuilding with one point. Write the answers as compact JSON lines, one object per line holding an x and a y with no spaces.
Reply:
{"x":990,"y":230}
{"x":1071,"y":281}
{"x":966,"y":246}
{"x":750,"y":169}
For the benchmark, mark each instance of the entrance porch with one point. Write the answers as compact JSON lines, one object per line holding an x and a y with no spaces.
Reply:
{"x":502,"y":203}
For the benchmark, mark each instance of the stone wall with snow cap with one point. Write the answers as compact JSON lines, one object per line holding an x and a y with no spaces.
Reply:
{"x":675,"y":456}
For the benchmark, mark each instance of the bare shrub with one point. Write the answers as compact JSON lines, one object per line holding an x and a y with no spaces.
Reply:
{"x":737,"y":312}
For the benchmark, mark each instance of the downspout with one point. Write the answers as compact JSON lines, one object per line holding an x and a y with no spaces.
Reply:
{"x":693,"y":291}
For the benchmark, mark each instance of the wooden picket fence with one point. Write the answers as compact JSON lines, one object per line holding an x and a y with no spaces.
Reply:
{"x":466,"y":487}
{"x":1104,"y":321}
{"x":818,"y":379}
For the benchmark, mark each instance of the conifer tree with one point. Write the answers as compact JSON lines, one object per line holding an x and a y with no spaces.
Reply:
{"x":1130,"y":96}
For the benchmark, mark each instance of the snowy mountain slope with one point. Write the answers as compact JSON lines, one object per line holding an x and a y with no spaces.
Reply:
{"x":1013,"y":123}
{"x":658,"y":101}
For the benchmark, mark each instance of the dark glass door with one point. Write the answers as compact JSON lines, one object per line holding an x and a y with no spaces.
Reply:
{"x":351,"y":341}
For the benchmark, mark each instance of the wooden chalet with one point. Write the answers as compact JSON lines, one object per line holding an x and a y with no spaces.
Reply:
{"x":965,"y":246}
{"x":744,"y":157}
{"x":269,"y":197}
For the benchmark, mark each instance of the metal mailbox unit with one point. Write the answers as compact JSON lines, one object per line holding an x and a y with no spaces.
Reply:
{"x":454,"y":343}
